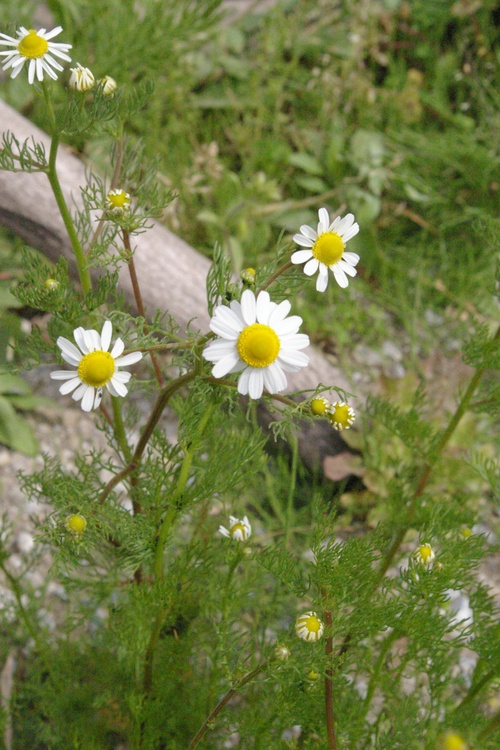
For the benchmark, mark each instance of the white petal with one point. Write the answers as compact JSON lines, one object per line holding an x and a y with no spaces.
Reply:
{"x":116,"y":388}
{"x":311,"y":267}
{"x":321,"y":282}
{"x":51,"y":34}
{"x":228,"y":318}
{"x":297,"y":359}
{"x":301,"y":256}
{"x":350,"y":233}
{"x":225,"y":331}
{"x":106,"y":333}
{"x":80,"y":339}
{"x":69,"y":386}
{"x":122,"y":377}
{"x":97,"y":397}
{"x":243,"y":381}
{"x":49,"y":62}
{"x":69,"y":351}
{"x":347,"y":268}
{"x":274,"y":378}
{"x":324,"y":221}
{"x":218,"y":349}
{"x":288,"y":326}
{"x":308,"y":232}
{"x":40,"y":68}
{"x":88,"y":399}
{"x":255,"y":383}
{"x":340,"y":276}
{"x":351,"y":258}
{"x":296,"y":341}
{"x":279,"y":314}
{"x":92,"y":339}
{"x":264,"y":307}
{"x":62,"y":374}
{"x":225,"y":365}
{"x":344,"y":224}
{"x":333,"y":226}
{"x":299,"y":239}
{"x":117,"y":349}
{"x":248,"y":307}
{"x":32,"y":68}
{"x":128,"y":359}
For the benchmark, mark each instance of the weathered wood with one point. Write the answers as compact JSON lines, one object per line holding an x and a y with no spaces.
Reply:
{"x":171,"y":273}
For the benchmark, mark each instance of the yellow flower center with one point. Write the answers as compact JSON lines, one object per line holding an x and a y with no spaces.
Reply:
{"x":328,"y":248}
{"x":319,"y":406}
{"x":96,"y":369}
{"x":452,"y":741}
{"x":342,"y":416}
{"x":425,"y":552}
{"x":313,"y":624}
{"x":32,"y":45}
{"x":76,"y":524}
{"x":258,"y":345}
{"x":238,"y":527}
{"x":119,"y":199}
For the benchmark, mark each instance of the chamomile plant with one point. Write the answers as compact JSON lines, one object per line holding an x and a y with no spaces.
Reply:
{"x":209,"y":594}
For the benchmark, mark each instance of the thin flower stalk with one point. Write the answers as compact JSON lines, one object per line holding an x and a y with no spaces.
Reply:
{"x":163,"y":398}
{"x":81,"y":261}
{"x":330,"y":716}
{"x":208,"y":723}
{"x":427,"y":469}
{"x":165,"y":528}
{"x":138,"y":301}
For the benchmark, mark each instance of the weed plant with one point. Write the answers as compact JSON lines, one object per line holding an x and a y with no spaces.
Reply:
{"x":215,"y":596}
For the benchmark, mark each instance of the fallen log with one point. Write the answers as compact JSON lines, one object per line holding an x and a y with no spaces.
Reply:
{"x":171,"y":273}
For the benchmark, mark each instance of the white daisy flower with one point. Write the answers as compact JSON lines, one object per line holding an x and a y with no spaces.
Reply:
{"x":35,"y":47}
{"x":341,"y":416}
{"x":424,"y":555}
{"x":118,"y":202}
{"x":96,"y":366}
{"x":326,"y":249}
{"x":309,"y":627}
{"x":239,"y":530}
{"x":256,"y":337}
{"x":81,"y":79}
{"x":109,"y":85}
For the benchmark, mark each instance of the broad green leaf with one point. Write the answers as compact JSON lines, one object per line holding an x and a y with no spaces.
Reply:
{"x":15,"y":432}
{"x":306,"y":162}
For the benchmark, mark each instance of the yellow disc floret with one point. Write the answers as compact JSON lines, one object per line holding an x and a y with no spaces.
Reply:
{"x":453,"y":741}
{"x":320,"y":406}
{"x":258,"y":345}
{"x":341,"y":416}
{"x":32,"y":45}
{"x":76,"y":524}
{"x":118,"y":201}
{"x":96,"y":369}
{"x":328,"y":248}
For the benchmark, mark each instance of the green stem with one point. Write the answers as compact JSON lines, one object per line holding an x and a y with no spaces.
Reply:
{"x":16,"y":590}
{"x":372,"y":685}
{"x":163,"y":534}
{"x":490,"y":727}
{"x":121,"y":438}
{"x":477,"y":688}
{"x":207,"y":724}
{"x":427,"y":469}
{"x":275,"y":275}
{"x":119,"y":428}
{"x":129,"y":257}
{"x":83,"y":271}
{"x":330,"y":717}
